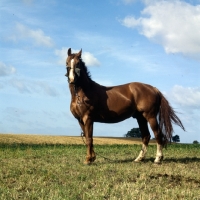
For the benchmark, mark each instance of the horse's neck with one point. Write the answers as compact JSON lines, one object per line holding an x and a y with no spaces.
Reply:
{"x":83,"y":87}
{"x":72,"y":89}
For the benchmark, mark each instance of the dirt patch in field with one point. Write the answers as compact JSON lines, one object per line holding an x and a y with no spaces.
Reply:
{"x":46,"y":139}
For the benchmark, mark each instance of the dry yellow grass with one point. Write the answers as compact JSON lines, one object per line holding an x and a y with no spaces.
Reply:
{"x":42,"y":139}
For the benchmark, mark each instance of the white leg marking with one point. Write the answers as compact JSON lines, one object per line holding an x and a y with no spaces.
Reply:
{"x":159,"y":154}
{"x":71,"y":72}
{"x":142,"y":153}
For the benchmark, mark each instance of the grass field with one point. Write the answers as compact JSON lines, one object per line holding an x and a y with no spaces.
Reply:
{"x":42,"y":167}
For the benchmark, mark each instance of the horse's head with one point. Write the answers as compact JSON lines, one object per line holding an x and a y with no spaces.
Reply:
{"x":73,"y":62}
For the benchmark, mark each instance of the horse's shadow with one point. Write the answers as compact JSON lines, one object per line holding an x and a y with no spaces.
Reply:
{"x":185,"y":160}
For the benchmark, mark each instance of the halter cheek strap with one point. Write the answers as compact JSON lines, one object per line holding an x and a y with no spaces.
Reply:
{"x":77,"y":71}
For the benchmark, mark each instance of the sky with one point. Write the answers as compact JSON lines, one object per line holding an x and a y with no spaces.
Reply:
{"x":151,"y":41}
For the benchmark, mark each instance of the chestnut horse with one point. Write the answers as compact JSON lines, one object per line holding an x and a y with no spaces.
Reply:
{"x":91,"y":102}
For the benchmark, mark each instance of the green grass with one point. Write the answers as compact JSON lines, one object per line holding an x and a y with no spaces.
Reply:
{"x":46,"y":171}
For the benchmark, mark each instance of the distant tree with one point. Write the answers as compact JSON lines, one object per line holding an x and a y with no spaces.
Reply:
{"x":176,"y":138}
{"x":134,"y":132}
{"x":195,"y":142}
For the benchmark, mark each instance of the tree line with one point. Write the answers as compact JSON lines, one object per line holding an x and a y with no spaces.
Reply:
{"x":136,"y":133}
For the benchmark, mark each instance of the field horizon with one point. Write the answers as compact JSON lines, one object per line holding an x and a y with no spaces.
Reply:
{"x":58,"y":139}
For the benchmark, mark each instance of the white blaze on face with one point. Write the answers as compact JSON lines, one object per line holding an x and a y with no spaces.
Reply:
{"x":71,"y":72}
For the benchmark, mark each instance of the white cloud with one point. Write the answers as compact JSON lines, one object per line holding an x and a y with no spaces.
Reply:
{"x":131,"y":22}
{"x":38,"y":36}
{"x":32,"y":86}
{"x":104,"y":82}
{"x":62,"y":54}
{"x":6,"y":70}
{"x":87,"y":57}
{"x":47,"y":89}
{"x":173,"y":24}
{"x":19,"y":85}
{"x":186,"y":96}
{"x":186,"y":101}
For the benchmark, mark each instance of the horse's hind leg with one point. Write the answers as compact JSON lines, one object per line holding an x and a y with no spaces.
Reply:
{"x":142,"y":122}
{"x":159,"y":138}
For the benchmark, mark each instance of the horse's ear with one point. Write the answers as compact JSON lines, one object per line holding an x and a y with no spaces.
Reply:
{"x":79,"y":53}
{"x":69,"y":52}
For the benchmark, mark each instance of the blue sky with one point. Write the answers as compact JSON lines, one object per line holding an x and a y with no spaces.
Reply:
{"x":150,"y":41}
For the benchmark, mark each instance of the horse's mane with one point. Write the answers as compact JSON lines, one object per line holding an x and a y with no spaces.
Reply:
{"x":85,"y":69}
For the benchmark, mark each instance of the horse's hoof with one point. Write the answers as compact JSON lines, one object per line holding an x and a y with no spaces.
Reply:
{"x":93,"y":159}
{"x":158,"y":160}
{"x":87,"y":163}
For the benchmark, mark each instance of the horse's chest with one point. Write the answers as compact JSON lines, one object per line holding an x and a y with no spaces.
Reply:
{"x":78,"y":109}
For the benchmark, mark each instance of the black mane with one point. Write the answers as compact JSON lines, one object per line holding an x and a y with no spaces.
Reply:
{"x":85,"y":69}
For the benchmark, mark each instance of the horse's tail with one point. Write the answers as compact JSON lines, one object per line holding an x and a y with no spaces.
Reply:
{"x":166,"y":117}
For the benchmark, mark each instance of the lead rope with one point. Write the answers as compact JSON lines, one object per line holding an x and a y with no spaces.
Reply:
{"x":82,"y":136}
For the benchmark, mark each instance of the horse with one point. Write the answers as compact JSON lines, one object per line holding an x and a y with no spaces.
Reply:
{"x":92,"y":102}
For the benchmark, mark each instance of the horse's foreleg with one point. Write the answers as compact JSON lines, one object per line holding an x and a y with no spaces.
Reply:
{"x":142,"y":122}
{"x":90,"y":151}
{"x":88,"y":131}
